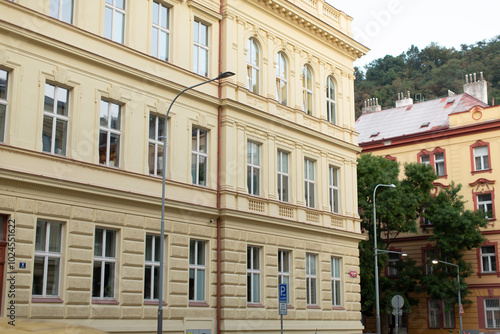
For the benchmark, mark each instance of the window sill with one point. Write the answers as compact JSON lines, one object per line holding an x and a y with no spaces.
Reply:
{"x":474,"y":172}
{"x":105,"y":301}
{"x":46,"y":300}
{"x":480,"y":274}
{"x":445,"y":176}
{"x":153,"y":302}
{"x":255,"y":305}
{"x":198,"y":304}
{"x":314,"y":307}
{"x":338,"y":308}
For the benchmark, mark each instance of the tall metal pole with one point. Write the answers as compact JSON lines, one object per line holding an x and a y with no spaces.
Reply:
{"x":159,"y":328}
{"x":377,"y":306}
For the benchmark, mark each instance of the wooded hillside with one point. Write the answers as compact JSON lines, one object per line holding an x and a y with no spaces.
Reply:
{"x":428,"y":73}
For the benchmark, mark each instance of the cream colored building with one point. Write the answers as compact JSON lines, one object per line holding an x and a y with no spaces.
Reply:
{"x":258,"y":191}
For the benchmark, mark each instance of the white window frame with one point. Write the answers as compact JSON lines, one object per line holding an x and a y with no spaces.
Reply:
{"x":5,"y":103}
{"x":481,"y":158}
{"x":109,"y":130}
{"x":56,"y":118}
{"x":152,"y":265}
{"x":492,"y":310}
{"x":428,"y":256}
{"x":439,"y":164}
{"x":311,"y":279}
{"x":392,"y":270}
{"x":309,"y":183}
{"x":196,"y":155}
{"x":281,"y":78}
{"x":490,"y":258}
{"x":307,"y":90}
{"x":111,"y":30}
{"x":425,"y":159}
{"x":336,"y":271}
{"x":162,"y":31}
{"x":253,"y":168}
{"x":253,"y":69}
{"x":284,"y":266}
{"x":198,"y":47}
{"x":331,"y":107}
{"x":283,"y":176}
{"x":105,"y":259}
{"x":253,"y":275}
{"x":333,"y":189}
{"x":46,"y":254}
{"x":155,"y":145}
{"x":198,"y":265}
{"x":448,"y":316}
{"x":57,"y":11}
{"x":433,"y":313}
{"x":483,"y":204}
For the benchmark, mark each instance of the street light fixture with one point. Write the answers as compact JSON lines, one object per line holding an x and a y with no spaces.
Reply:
{"x":377,"y":306}
{"x":459,"y":295}
{"x":162,"y":237}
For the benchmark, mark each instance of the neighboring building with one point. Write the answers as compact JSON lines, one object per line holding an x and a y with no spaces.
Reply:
{"x":459,"y":136}
{"x":261,"y":167}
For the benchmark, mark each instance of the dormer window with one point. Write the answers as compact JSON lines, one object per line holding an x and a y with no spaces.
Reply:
{"x":374,"y":134}
{"x":425,"y":124}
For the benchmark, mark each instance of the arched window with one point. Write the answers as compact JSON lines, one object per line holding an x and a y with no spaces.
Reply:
{"x":253,"y":66}
{"x":331,"y":111}
{"x":307,"y":90}
{"x":281,"y":78}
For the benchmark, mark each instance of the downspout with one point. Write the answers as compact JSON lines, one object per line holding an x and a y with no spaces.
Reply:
{"x":219,"y":129}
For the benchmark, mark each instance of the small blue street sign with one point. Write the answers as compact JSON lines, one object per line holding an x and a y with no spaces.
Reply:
{"x":22,"y":265}
{"x":283,"y":293}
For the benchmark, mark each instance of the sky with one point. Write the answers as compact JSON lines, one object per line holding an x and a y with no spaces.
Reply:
{"x":392,"y":26}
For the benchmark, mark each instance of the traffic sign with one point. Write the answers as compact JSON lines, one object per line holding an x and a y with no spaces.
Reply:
{"x":283,"y":293}
{"x":283,"y":308}
{"x":462,"y":309}
{"x":397,"y":301}
{"x":397,"y":312}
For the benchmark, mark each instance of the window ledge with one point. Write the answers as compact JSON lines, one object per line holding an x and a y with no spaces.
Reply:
{"x":198,"y":304}
{"x":489,"y":273}
{"x":445,"y":176}
{"x":474,"y":172}
{"x":153,"y":302}
{"x":315,"y":307}
{"x":339,"y":308}
{"x":255,"y":305}
{"x":46,"y":300}
{"x":105,"y":301}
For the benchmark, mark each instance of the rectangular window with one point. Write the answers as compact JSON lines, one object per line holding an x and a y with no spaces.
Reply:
{"x":55,"y":119}
{"x":197,"y":270}
{"x":284,"y":270}
{"x":311,"y":279}
{"x":309,"y":182}
{"x":434,"y":314}
{"x":336,"y":282}
{"x":110,"y":134}
{"x":4,"y":85}
{"x":488,"y":259}
{"x":425,"y":159}
{"x":485,"y":204}
{"x":114,"y":20}
{"x":200,"y":56}
{"x":103,"y":281}
{"x":439,"y":163}
{"x":392,"y":268}
{"x":199,"y":156}
{"x":156,"y":151}
{"x":253,"y":274}
{"x":253,"y":168}
{"x":47,"y":266}
{"x":152,"y":267}
{"x":160,"y":31}
{"x":481,"y":160}
{"x":448,"y":316}
{"x":283,"y":186}
{"x":492,"y":312}
{"x":428,"y":255}
{"x":62,"y":10}
{"x":334,"y":189}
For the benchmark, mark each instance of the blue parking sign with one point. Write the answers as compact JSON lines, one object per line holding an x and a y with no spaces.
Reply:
{"x":282,"y":293}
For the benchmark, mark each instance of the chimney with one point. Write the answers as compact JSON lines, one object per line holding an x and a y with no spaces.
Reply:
{"x":371,"y":105}
{"x":404,"y":101}
{"x":476,"y":88}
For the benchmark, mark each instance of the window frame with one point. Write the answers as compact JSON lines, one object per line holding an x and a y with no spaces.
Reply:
{"x":56,"y":118}
{"x":105,"y":259}
{"x":155,"y":44}
{"x":331,"y":98}
{"x":433,"y":161}
{"x":197,"y":267}
{"x":46,"y":254}
{"x":493,"y":258}
{"x":478,"y":203}
{"x":153,"y":263}
{"x":333,"y":189}
{"x":109,"y":131}
{"x":198,"y":46}
{"x":283,"y":176}
{"x":336,"y":280}
{"x":494,"y":310}
{"x":110,"y":32}
{"x":309,"y":182}
{"x":307,"y":89}
{"x":253,"y":296}
{"x":60,"y":12}
{"x":473,"y":147}
{"x":198,"y":153}
{"x":253,"y":168}
{"x":5,"y":103}
{"x":284,"y":274}
{"x":157,"y":142}
{"x":311,"y":280}
{"x":441,"y":315}
{"x":281,"y":78}
{"x":253,"y":65}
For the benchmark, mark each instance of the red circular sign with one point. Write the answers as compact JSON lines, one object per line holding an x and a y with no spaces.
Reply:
{"x":353,"y":273}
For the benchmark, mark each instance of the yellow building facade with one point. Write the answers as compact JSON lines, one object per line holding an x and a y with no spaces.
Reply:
{"x":458,"y":135}
{"x":261,"y":166}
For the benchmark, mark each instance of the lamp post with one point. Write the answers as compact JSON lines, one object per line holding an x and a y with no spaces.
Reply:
{"x":459,"y":295}
{"x":162,"y":237}
{"x":377,"y":306}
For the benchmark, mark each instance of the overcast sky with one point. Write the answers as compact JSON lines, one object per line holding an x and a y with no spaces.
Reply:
{"x":392,"y":26}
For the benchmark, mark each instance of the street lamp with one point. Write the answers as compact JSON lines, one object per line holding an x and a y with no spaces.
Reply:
{"x":377,"y":306}
{"x":162,"y":238}
{"x":459,"y":295}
